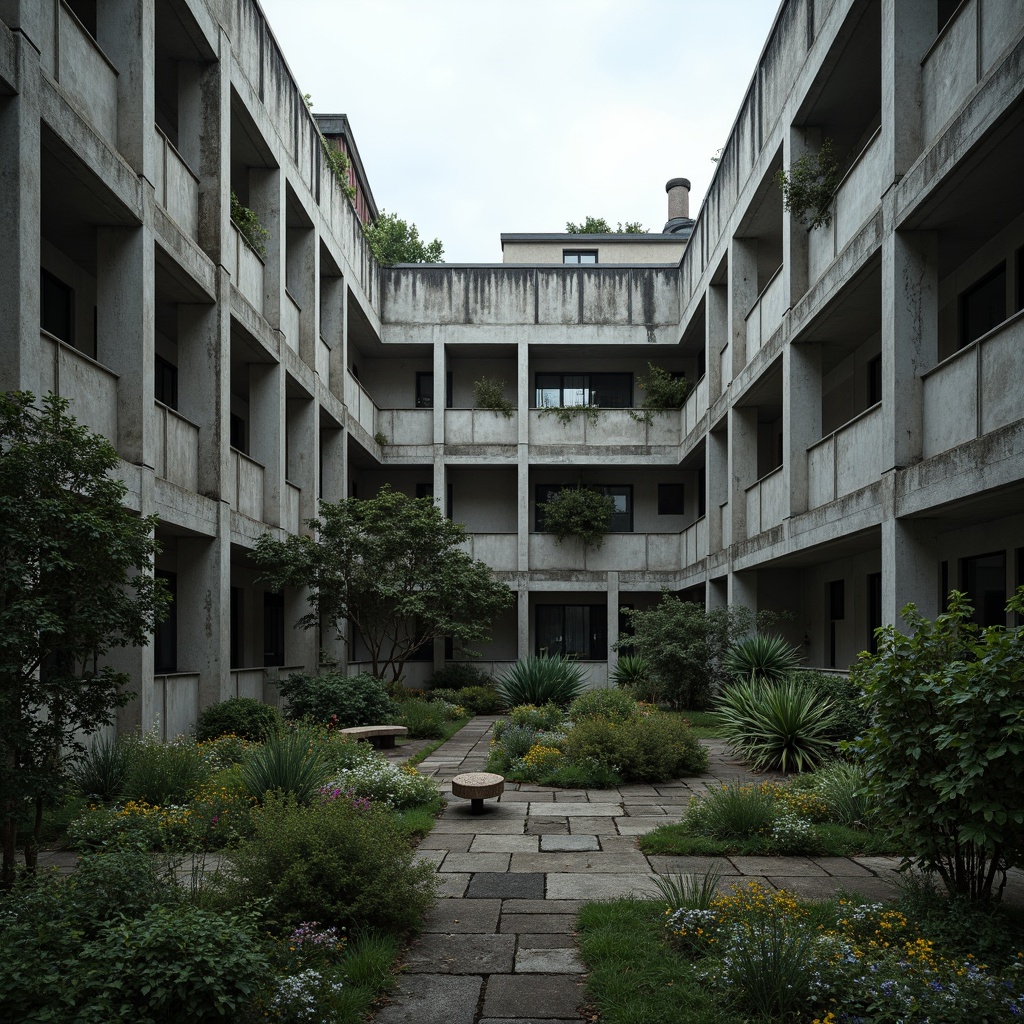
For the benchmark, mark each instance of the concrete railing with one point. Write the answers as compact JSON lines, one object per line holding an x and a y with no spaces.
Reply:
{"x":176,"y":702}
{"x":983,"y":382}
{"x":323,"y":361}
{"x":766,"y":314}
{"x":498,"y":550}
{"x":292,"y":496}
{"x":245,"y":485}
{"x":407,"y":426}
{"x":696,"y":405}
{"x":177,"y":448}
{"x":693,"y":542}
{"x":248,"y":271}
{"x":846,"y":460}
{"x":176,"y":186}
{"x":89,"y":385}
{"x":623,"y":552}
{"x":248,"y":682}
{"x":360,"y":405}
{"x":291,"y":315}
{"x":86,"y":73}
{"x":480,"y":426}
{"x":766,"y":503}
{"x":606,"y":427}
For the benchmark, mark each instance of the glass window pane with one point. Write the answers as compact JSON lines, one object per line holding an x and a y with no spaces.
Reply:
{"x":588,"y":257}
{"x":424,"y":390}
{"x":577,"y":630}
{"x":574,"y":389}
{"x":984,"y":580}
{"x":611,"y":390}
{"x":548,"y":390}
{"x":549,"y":629}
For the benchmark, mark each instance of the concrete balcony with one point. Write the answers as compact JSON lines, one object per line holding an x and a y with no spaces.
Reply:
{"x":247,"y":271}
{"x":983,"y":382}
{"x":693,"y":542}
{"x":176,"y":703}
{"x":696,"y":406}
{"x":480,"y":426}
{"x":176,"y":186}
{"x":609,"y":427}
{"x":360,"y":405}
{"x":407,"y":426}
{"x":845,"y":460}
{"x":498,"y":550}
{"x":766,"y":314}
{"x":177,"y":448}
{"x":245,"y":485}
{"x":622,"y":552}
{"x":86,"y":74}
{"x":767,"y":503}
{"x":90,"y":386}
{"x":248,"y":682}
{"x":292,"y":496}
{"x":291,"y":316}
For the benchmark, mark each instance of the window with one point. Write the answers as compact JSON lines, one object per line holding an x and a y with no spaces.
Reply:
{"x":983,"y":579}
{"x":579,"y":255}
{"x":427,"y":491}
{"x":166,"y":387}
{"x":425,"y":390}
{"x":57,"y":312}
{"x":572,"y":630}
{"x":621,"y":495}
{"x":874,"y":380}
{"x":983,"y":306}
{"x":273,"y":628}
{"x":165,"y":636}
{"x":605,"y":390}
{"x":238,"y":441}
{"x":702,"y":492}
{"x":670,"y":500}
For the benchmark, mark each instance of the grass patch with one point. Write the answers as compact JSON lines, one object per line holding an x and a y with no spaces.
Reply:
{"x":369,"y":974}
{"x":704,"y":725}
{"x":449,"y":729}
{"x":634,"y":976}
{"x":417,"y":821}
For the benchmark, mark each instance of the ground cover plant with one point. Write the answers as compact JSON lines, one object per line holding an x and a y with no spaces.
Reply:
{"x":752,"y":954}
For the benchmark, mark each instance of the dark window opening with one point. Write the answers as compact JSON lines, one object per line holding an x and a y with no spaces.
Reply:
{"x":604,"y":390}
{"x":238,"y":440}
{"x":273,"y":628}
{"x":621,"y":495}
{"x":579,"y":255}
{"x":1020,"y":280}
{"x":57,"y":312}
{"x":702,"y":492}
{"x":85,"y":12}
{"x":943,"y":586}
{"x":946,"y":10}
{"x":425,"y":390}
{"x":572,"y":630}
{"x":983,"y":306}
{"x":983,"y":579}
{"x":836,"y":613}
{"x":670,"y":500}
{"x":165,"y":636}
{"x":625,"y":630}
{"x":427,"y":491}
{"x":236,"y":627}
{"x":874,"y":381}
{"x":166,"y":384}
{"x":874,"y":609}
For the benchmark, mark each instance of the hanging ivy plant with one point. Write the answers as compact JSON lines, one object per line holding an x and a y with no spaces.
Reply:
{"x":253,"y":233}
{"x":578,"y":512}
{"x":810,"y":186}
{"x":565,"y":414}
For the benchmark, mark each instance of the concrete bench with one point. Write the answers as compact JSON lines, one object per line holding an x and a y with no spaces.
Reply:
{"x":477,"y":787}
{"x":379,"y":735}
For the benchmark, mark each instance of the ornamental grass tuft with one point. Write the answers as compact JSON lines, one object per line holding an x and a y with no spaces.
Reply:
{"x":541,"y":680}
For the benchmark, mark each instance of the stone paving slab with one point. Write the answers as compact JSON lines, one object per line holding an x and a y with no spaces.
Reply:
{"x":548,"y":961}
{"x":788,"y":867}
{"x":452,"y":886}
{"x":515,"y":796}
{"x":504,"y":844}
{"x":596,"y":886}
{"x":549,"y":940}
{"x":542,"y":906}
{"x":605,"y":862}
{"x":481,"y":825}
{"x":547,"y":826}
{"x":461,"y":916}
{"x":869,"y":886}
{"x":637,"y":826}
{"x":506,"y":886}
{"x":474,"y":862}
{"x":423,"y":856}
{"x":439,"y":953}
{"x":588,"y":809}
{"x":567,"y":844}
{"x":537,"y":924}
{"x":531,"y":996}
{"x":617,"y":843}
{"x":455,"y":841}
{"x":432,"y":999}
{"x":592,"y":826}
{"x":842,"y":867}
{"x":691,"y":865}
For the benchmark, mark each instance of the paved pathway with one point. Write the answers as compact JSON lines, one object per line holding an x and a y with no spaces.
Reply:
{"x":498,"y":947}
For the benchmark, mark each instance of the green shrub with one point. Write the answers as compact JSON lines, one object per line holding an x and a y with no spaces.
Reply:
{"x":164,"y":773}
{"x":776,"y":725}
{"x":290,"y":762}
{"x":545,"y":719}
{"x":481,"y":700}
{"x":849,"y":709}
{"x":423,"y":720}
{"x":619,"y":705}
{"x":102,"y":771}
{"x":764,"y":656}
{"x":633,"y":672}
{"x":584,"y":775}
{"x":515,"y":741}
{"x":346,"y":701}
{"x":581,"y":512}
{"x":541,"y":680}
{"x":653,"y":748}
{"x":331,"y":863}
{"x":243,"y":716}
{"x":458,"y":675}
{"x":945,"y":753}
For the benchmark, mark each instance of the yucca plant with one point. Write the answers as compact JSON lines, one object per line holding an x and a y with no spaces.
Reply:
{"x":542,"y":680}
{"x":765,"y":656}
{"x":290,"y":762}
{"x":101,"y":772}
{"x":781,"y":724}
{"x":633,"y":671}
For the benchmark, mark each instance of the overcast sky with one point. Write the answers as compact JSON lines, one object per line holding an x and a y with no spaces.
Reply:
{"x":475,"y":117}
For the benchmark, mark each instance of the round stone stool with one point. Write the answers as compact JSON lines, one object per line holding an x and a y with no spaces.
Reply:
{"x":477,"y":787}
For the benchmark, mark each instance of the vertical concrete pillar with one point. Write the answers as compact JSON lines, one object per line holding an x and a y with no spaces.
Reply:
{"x":742,"y":296}
{"x":36,"y":22}
{"x":301,"y":646}
{"x":743,"y":590}
{"x":910,"y":571}
{"x":20,"y":201}
{"x":266,"y":197}
{"x":301,"y":437}
{"x":742,"y":467}
{"x":716,"y":337}
{"x":303,"y":277}
{"x":523,"y":648}
{"x":215,"y":157}
{"x":801,"y":418}
{"x":190,"y":111}
{"x":523,"y":462}
{"x":125,"y":315}
{"x":717,"y":594}
{"x":910,"y":291}
{"x":332,"y":464}
{"x":613,"y":622}
{"x":332,"y":329}
{"x":717,"y":487}
{"x":796,"y":144}
{"x":267,"y":434}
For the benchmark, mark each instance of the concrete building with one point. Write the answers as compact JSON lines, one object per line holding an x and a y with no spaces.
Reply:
{"x":854,"y":438}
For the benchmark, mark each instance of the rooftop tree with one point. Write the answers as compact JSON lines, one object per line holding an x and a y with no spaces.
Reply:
{"x":391,"y":567}
{"x":393,"y":240}
{"x":75,"y":581}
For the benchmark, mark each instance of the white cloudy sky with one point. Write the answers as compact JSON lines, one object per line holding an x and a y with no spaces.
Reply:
{"x":475,"y":117}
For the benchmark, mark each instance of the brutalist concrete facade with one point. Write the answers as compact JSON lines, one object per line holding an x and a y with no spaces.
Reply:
{"x":853,"y":440}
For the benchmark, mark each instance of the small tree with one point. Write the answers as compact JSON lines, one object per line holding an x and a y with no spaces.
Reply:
{"x":75,"y":581}
{"x":393,"y":240}
{"x":810,"y":186}
{"x":579,"y":512}
{"x":599,"y":226}
{"x":390,"y":566}
{"x":945,"y":751}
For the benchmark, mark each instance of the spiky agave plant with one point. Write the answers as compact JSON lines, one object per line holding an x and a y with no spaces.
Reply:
{"x":541,"y":680}
{"x":765,"y":656}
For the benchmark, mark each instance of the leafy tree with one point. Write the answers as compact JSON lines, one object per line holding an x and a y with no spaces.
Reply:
{"x":393,"y":240}
{"x":578,"y":512}
{"x":75,"y":581}
{"x":945,"y":750}
{"x":390,"y":566}
{"x":599,"y":226}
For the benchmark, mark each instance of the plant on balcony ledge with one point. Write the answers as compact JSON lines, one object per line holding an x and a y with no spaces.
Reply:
{"x":578,"y":512}
{"x":249,"y":227}
{"x":662,"y":390}
{"x":810,"y":186}
{"x":567,"y":413}
{"x":490,"y":394}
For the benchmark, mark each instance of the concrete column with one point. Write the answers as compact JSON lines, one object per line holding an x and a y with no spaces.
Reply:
{"x":801,"y":417}
{"x":332,"y":328}
{"x":908,"y":30}
{"x":20,"y":188}
{"x":126,"y":311}
{"x":717,"y":486}
{"x":742,"y":466}
{"x":332,"y":464}
{"x":613,"y":622}
{"x":716,"y":337}
{"x":523,"y":648}
{"x":523,"y":463}
{"x":909,"y":569}
{"x":742,"y":295}
{"x":37,"y":24}
{"x":190,"y":111}
{"x":717,"y":594}
{"x":910,"y":291}
{"x":742,"y":588}
{"x":215,"y":157}
{"x":267,"y":434}
{"x":126,"y":31}
{"x":301,"y":646}
{"x":266,"y":197}
{"x":796,"y":143}
{"x":301,"y":438}
{"x":303,"y":277}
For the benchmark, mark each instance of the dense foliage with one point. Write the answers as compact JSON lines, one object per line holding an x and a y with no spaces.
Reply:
{"x":763,"y":656}
{"x":344,"y":701}
{"x":245,"y":717}
{"x":253,"y":233}
{"x":579,"y":512}
{"x":809,"y":186}
{"x":489,"y":393}
{"x":599,"y":226}
{"x":541,"y":680}
{"x":393,"y":240}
